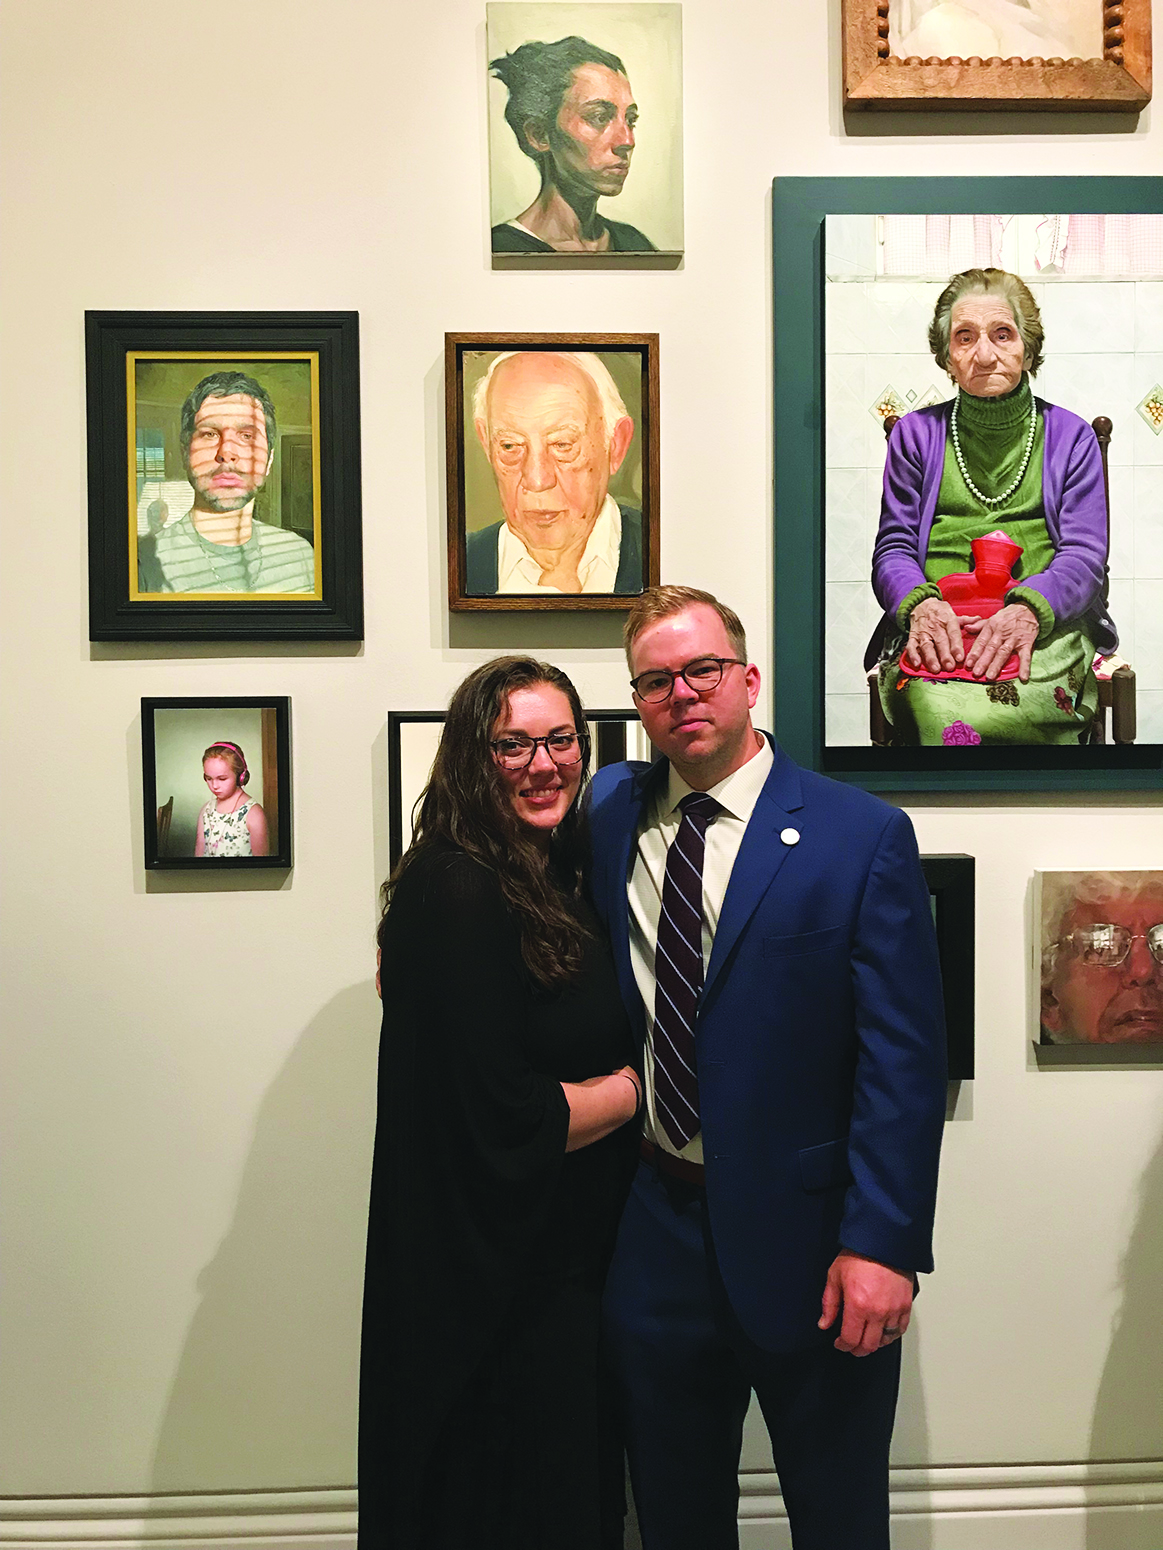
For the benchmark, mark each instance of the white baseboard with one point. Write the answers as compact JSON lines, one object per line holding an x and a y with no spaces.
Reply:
{"x":991,"y":1507}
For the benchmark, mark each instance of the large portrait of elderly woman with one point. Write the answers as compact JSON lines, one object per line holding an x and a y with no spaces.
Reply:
{"x":991,"y":538}
{"x":1100,"y":957}
{"x":585,"y":130}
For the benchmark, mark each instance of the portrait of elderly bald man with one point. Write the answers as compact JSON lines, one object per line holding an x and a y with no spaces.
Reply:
{"x":556,"y":431}
{"x":228,"y":444}
{"x":986,"y":29}
{"x":1102,"y":957}
{"x":990,"y":556}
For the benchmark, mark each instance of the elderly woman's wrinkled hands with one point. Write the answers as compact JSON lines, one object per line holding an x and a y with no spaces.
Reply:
{"x":1012,"y":628}
{"x":935,"y":636}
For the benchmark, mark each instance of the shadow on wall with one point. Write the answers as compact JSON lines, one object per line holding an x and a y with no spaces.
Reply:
{"x":265,"y":1392}
{"x":1128,"y":1418}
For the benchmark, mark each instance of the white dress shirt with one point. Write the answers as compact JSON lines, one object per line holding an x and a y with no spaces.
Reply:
{"x":737,"y":795}
{"x":518,"y":571}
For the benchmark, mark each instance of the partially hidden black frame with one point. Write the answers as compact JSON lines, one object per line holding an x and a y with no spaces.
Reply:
{"x":951,"y":884}
{"x":281,"y":853}
{"x":113,"y":613}
{"x":610,"y":748}
{"x":799,"y":207}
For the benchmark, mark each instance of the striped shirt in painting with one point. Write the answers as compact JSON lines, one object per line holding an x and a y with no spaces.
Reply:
{"x":179,"y":559}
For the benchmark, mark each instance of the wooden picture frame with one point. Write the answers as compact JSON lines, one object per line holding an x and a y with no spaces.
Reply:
{"x":176,"y":733}
{"x":951,"y":890}
{"x":165,"y":560}
{"x":481,"y":543}
{"x":413,"y":735}
{"x":1119,"y":82}
{"x":800,"y":207}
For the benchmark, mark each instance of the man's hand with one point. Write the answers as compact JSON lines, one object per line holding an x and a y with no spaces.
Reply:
{"x":877,"y":1301}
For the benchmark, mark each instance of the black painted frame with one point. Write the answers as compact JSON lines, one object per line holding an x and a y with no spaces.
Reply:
{"x":799,"y":206}
{"x":951,"y":883}
{"x":113,"y":614}
{"x":281,"y":855}
{"x":610,"y":747}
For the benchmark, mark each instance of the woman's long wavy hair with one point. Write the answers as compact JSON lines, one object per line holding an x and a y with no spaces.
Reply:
{"x":466,"y":803}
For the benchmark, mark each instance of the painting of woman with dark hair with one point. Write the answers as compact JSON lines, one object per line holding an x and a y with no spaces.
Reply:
{"x":573,"y":113}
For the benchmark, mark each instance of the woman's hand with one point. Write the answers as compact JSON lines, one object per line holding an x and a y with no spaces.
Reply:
{"x":1012,"y":628}
{"x":935,"y":636}
{"x":379,"y":992}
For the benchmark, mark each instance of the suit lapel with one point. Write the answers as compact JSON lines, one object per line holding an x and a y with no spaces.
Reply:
{"x":624,"y":822}
{"x":760,"y":857}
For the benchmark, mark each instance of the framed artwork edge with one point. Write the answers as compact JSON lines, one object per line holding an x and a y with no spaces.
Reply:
{"x":798,"y":209}
{"x":459,"y":600}
{"x":1119,"y":82}
{"x":396,"y":719}
{"x":951,"y":882}
{"x":283,"y":858}
{"x":334,"y":336}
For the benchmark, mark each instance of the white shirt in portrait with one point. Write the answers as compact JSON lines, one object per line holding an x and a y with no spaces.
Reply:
{"x":518,"y":571}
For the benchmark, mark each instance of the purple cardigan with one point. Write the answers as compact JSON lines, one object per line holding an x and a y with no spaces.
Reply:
{"x":1072,"y":495}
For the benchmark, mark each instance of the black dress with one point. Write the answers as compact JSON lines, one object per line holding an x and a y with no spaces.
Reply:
{"x":487,"y":1243}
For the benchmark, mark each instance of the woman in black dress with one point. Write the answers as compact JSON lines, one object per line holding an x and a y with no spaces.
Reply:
{"x":503,"y":1150}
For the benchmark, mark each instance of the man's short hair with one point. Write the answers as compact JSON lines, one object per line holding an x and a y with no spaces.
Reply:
{"x":538,"y":76}
{"x":224,"y":384}
{"x":662,"y":602}
{"x":613,"y":409}
{"x":989,"y":282}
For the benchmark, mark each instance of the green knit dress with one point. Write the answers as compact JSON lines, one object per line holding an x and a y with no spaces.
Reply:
{"x":1058,"y":703}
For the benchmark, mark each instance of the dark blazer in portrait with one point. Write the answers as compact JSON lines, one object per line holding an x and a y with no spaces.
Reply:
{"x":820,"y":1037}
{"x":623,"y":239}
{"x":482,"y":565}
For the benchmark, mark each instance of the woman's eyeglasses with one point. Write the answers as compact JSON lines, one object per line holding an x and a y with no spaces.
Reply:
{"x":518,"y":751}
{"x":1106,"y":946}
{"x":702,"y":675}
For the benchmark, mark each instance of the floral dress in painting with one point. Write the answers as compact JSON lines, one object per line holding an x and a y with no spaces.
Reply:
{"x":225,"y":834}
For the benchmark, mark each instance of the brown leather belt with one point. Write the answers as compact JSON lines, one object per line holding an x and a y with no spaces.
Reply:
{"x":676,"y":1167}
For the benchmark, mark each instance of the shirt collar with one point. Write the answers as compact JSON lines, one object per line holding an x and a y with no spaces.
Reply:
{"x":737,"y":793}
{"x":601,"y":553}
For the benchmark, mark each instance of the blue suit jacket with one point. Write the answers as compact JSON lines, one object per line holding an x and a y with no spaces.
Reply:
{"x":820,"y":1039}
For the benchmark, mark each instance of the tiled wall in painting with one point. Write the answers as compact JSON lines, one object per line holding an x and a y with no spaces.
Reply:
{"x":1104,"y":355}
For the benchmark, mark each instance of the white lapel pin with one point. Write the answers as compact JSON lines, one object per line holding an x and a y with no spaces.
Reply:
{"x":790,"y":836}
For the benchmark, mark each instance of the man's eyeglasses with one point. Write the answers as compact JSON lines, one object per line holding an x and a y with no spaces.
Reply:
{"x":1105,"y":946}
{"x":518,"y":751}
{"x":702,"y":675}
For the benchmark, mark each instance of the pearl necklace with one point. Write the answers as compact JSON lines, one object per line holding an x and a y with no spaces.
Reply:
{"x":994,"y":500}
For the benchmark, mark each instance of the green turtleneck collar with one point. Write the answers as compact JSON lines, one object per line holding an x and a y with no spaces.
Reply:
{"x":1012,"y":408}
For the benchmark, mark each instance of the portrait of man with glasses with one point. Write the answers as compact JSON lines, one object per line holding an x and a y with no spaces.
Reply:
{"x":1102,"y":957}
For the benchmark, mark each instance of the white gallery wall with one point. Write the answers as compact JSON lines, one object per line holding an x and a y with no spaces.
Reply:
{"x":189,"y":1062}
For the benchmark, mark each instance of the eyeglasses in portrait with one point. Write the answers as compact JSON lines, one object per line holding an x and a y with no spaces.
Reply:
{"x":216,"y":783}
{"x":552,"y":470}
{"x":585,"y":133}
{"x":1100,"y":958}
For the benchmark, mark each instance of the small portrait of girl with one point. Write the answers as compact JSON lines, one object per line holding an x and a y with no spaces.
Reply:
{"x":232,"y":823}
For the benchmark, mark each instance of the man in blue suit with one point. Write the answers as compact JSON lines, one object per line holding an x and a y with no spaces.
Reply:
{"x":795,"y":1098}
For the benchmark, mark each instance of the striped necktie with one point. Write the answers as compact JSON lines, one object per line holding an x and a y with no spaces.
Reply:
{"x":678,"y":972}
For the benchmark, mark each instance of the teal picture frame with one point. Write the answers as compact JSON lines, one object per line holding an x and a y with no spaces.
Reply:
{"x":799,"y":207}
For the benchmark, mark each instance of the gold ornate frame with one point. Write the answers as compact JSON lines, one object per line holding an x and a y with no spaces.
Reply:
{"x":1118,"y":82}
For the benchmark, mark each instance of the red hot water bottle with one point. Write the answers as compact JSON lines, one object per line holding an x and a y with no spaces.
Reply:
{"x":980,"y":591}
